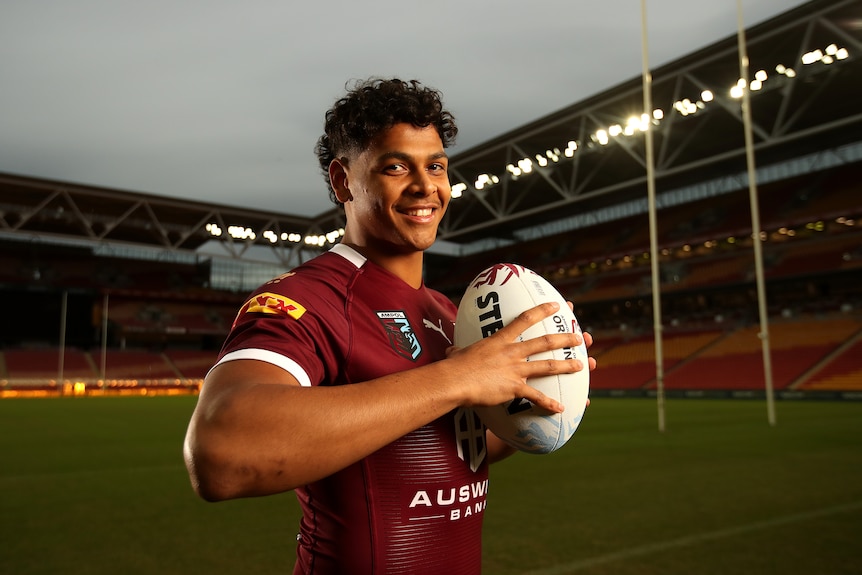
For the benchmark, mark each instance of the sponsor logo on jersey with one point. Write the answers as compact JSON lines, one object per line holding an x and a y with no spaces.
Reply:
{"x":438,"y":327}
{"x":401,"y":336}
{"x":271,"y":303}
{"x":449,"y":503}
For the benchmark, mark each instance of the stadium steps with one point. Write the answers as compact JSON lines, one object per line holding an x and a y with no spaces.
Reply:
{"x":138,"y":365}
{"x":736,"y":361}
{"x":171,"y":365}
{"x":841,"y":369}
{"x":686,"y":353}
{"x":192,"y":364}
{"x":89,"y":359}
{"x":631,"y":364}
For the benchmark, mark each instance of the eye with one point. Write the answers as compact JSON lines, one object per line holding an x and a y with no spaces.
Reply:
{"x":394,"y":169}
{"x":437,"y":168}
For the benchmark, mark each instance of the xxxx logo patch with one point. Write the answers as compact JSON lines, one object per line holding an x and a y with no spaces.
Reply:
{"x":271,"y":303}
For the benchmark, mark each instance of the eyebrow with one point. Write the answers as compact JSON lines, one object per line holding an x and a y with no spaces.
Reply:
{"x":407,"y":157}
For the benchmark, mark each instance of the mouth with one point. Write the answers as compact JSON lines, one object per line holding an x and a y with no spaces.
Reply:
{"x":421,"y":213}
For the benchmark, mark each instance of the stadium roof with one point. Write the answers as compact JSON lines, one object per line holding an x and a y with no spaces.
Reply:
{"x":590,"y":163}
{"x":804,"y":93}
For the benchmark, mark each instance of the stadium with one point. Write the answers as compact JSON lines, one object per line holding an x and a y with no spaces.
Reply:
{"x":126,"y":297}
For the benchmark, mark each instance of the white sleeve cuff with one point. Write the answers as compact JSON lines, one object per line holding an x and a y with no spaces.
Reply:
{"x":267,"y":356}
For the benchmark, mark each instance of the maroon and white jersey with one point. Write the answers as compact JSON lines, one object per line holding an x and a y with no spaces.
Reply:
{"x":416,"y":505}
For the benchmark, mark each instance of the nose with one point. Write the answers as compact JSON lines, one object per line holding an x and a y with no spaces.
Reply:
{"x":423,"y":184}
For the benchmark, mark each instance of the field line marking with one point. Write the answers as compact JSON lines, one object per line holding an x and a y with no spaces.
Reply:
{"x":565,"y":568}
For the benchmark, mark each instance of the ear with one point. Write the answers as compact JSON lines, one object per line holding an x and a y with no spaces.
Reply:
{"x":338,"y":180}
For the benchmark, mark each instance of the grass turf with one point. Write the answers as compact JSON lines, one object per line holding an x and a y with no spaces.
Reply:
{"x":97,"y":486}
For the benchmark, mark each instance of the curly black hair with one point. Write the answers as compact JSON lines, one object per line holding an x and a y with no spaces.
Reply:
{"x":373,"y":106}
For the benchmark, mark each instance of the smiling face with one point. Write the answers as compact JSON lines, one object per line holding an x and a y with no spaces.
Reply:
{"x":395,"y":193}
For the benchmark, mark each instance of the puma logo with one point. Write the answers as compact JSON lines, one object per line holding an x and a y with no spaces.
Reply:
{"x":437,"y":328}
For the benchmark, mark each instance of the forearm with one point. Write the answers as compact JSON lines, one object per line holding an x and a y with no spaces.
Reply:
{"x":260,"y":437}
{"x":256,"y":432}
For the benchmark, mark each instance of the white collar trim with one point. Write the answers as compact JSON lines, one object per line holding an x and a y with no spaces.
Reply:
{"x":349,"y":254}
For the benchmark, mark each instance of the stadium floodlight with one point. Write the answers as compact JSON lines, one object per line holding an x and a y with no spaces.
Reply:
{"x":761,"y":75}
{"x":485,"y":180}
{"x":842,"y":54}
{"x":514,"y":170}
{"x":241,"y":233}
{"x":602,"y":137}
{"x":812,"y":57}
{"x":459,"y":189}
{"x":644,"y":122}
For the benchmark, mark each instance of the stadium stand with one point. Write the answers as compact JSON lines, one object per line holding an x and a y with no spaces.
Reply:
{"x":842,"y":370}
{"x":734,"y":361}
{"x":34,"y":364}
{"x":578,"y":224}
{"x":165,"y":323}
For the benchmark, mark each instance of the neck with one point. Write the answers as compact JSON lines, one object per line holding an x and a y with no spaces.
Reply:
{"x":407,"y":266}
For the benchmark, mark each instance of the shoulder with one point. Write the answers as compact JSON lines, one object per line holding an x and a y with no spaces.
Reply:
{"x":314,"y":285}
{"x":326,"y":270}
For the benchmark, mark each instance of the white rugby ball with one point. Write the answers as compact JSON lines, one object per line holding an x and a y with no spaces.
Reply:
{"x":493,"y":299}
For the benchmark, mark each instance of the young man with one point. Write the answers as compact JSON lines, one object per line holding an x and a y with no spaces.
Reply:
{"x":337,"y":379}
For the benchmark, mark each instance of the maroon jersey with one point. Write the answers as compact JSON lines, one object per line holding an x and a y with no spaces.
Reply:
{"x":416,"y":505}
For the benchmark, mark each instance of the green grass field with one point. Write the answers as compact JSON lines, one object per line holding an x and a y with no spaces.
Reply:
{"x":97,"y":486}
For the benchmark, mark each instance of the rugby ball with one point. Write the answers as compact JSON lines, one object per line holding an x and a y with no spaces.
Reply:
{"x":493,"y":299}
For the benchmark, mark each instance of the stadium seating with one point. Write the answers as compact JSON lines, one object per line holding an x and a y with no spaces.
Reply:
{"x":135,"y":364}
{"x":44,"y":363}
{"x":631,"y":364}
{"x":191,"y":364}
{"x":842,"y":371}
{"x":165,"y":321}
{"x":736,"y":360}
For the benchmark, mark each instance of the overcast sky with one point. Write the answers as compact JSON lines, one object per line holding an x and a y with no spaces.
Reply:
{"x":222,"y":101}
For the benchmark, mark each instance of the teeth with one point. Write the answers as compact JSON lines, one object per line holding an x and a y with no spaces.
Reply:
{"x":420,"y":213}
